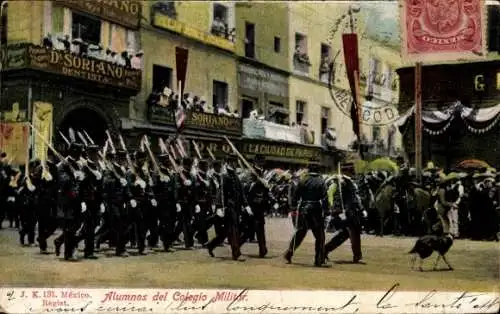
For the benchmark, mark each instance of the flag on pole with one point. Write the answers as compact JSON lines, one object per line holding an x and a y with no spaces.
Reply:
{"x":181,"y":61}
{"x":350,"y":46}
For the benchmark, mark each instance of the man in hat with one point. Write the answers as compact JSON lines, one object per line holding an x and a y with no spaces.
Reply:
{"x":28,"y":194}
{"x":258,"y":198}
{"x":165,"y":192}
{"x":3,"y":186}
{"x":47,"y":202}
{"x":448,"y":199}
{"x":233,"y":199}
{"x":310,"y":199}
{"x":70,"y":202}
{"x":186,"y":198}
{"x":216,"y":217}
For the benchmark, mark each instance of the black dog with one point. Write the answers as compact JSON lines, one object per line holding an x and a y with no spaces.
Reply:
{"x":427,"y":244}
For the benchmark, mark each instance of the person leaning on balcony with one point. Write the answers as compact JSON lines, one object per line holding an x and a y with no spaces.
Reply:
{"x":137,"y":60}
{"x":47,"y":41}
{"x":66,"y":43}
{"x":95,"y":51}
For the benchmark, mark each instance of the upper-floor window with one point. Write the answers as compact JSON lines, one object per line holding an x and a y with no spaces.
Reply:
{"x":3,"y":24}
{"x":165,"y":7}
{"x":220,"y":96}
{"x":300,"y":56}
{"x":325,"y":118}
{"x":277,"y":44}
{"x":325,"y":59}
{"x":162,"y":77}
{"x":249,"y":40}
{"x":300,"y":111}
{"x":494,"y":28}
{"x":86,"y":29}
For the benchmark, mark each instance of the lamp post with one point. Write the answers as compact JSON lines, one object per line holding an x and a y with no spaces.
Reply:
{"x":2,"y":54}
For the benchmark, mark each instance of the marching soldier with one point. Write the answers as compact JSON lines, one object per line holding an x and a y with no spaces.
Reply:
{"x":11,"y":196}
{"x":70,"y":201}
{"x":166,"y":194}
{"x":216,"y":218}
{"x":203,"y":207}
{"x":186,"y":197}
{"x":258,"y":197}
{"x":91,"y":190}
{"x":310,"y":199}
{"x":28,"y":203}
{"x":233,"y":199}
{"x":47,"y":203}
{"x":4,"y":181}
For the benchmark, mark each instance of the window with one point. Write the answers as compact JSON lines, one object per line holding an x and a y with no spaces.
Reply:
{"x":3,"y":25}
{"x":494,"y":28}
{"x":300,"y":57}
{"x":162,"y":76}
{"x":249,"y":40}
{"x":219,"y":98}
{"x":300,"y":44}
{"x":221,"y":12}
{"x":277,"y":44}
{"x":165,"y":7}
{"x":220,"y":21}
{"x":86,"y":28}
{"x":324,"y":67}
{"x":300,"y":111}
{"x":325,"y":117}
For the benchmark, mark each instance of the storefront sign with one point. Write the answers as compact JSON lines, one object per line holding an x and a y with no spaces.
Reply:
{"x":280,"y":150}
{"x":68,"y":64}
{"x":198,"y":120}
{"x":164,"y":22}
{"x":262,"y":80}
{"x":14,"y":57}
{"x":372,"y":114}
{"x":123,"y":12}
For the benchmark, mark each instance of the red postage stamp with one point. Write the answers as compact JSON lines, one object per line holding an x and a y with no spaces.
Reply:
{"x":443,"y":29}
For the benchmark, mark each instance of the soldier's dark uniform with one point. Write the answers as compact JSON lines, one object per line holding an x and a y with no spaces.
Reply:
{"x":216,"y":220}
{"x":310,"y":199}
{"x":4,"y":181}
{"x":186,"y":198}
{"x":233,"y":199}
{"x":47,"y":205}
{"x":166,"y":195}
{"x":70,"y":202}
{"x":91,"y":194}
{"x":203,"y":210}
{"x":350,"y":226}
{"x":28,"y":200}
{"x":258,"y":199}
{"x":117,"y":196}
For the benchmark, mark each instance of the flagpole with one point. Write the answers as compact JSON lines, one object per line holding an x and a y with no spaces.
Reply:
{"x":359,"y":112}
{"x":418,"y":120}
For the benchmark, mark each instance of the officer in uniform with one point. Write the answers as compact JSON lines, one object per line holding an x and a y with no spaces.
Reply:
{"x":4,"y":181}
{"x":47,"y":203}
{"x":232,"y":199}
{"x":310,"y":199}
{"x":203,"y":206}
{"x":258,"y":198}
{"x":28,"y":196}
{"x":216,"y":218}
{"x":347,"y":209}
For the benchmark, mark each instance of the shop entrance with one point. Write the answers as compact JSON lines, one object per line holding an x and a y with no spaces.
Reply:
{"x":84,"y":119}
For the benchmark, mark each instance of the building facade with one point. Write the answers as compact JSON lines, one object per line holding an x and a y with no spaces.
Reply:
{"x":57,"y":64}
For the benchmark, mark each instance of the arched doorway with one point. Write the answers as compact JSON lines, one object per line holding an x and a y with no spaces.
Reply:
{"x":83,"y":119}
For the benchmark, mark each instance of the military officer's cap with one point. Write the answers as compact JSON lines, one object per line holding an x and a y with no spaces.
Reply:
{"x":231,"y":156}
{"x":3,"y":154}
{"x":140,"y":154}
{"x":75,"y":146}
{"x":203,"y":162}
{"x":121,"y":153}
{"x":186,"y":161}
{"x":93,"y":148}
{"x":163,"y":157}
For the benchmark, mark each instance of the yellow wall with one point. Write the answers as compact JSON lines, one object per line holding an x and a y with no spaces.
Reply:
{"x":204,"y":65}
{"x":24,"y":21}
{"x":271,"y":20}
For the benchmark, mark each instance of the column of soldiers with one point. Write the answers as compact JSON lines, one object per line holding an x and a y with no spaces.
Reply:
{"x":97,"y":195}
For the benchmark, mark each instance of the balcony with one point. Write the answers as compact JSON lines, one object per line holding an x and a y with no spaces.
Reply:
{"x":200,"y":121}
{"x":162,"y":21}
{"x":70,"y":65}
{"x":261,"y":129}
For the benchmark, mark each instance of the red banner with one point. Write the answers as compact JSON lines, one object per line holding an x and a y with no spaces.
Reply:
{"x":350,"y":45}
{"x":181,"y":62}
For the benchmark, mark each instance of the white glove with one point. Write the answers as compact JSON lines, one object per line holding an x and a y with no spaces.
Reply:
{"x":97,"y":175}
{"x":11,"y":199}
{"x":164,"y":179}
{"x":249,"y":210}
{"x":84,"y":207}
{"x":187,"y":182}
{"x":276,"y":206}
{"x":141,"y":183}
{"x":31,"y":187}
{"x":123,"y":182}
{"x":216,"y":184}
{"x":154,"y":203}
{"x":220,"y":212}
{"x":197,"y":209}
{"x":80,"y":176}
{"x":133,"y":203}
{"x":178,"y":206}
{"x":365,"y":214}
{"x":343,"y":216}
{"x":103,"y":208}
{"x":213,"y":207}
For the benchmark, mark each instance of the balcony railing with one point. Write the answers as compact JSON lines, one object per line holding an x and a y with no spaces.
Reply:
{"x":71,"y":65}
{"x":254,"y":128}
{"x":207,"y":122}
{"x":161,"y":20}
